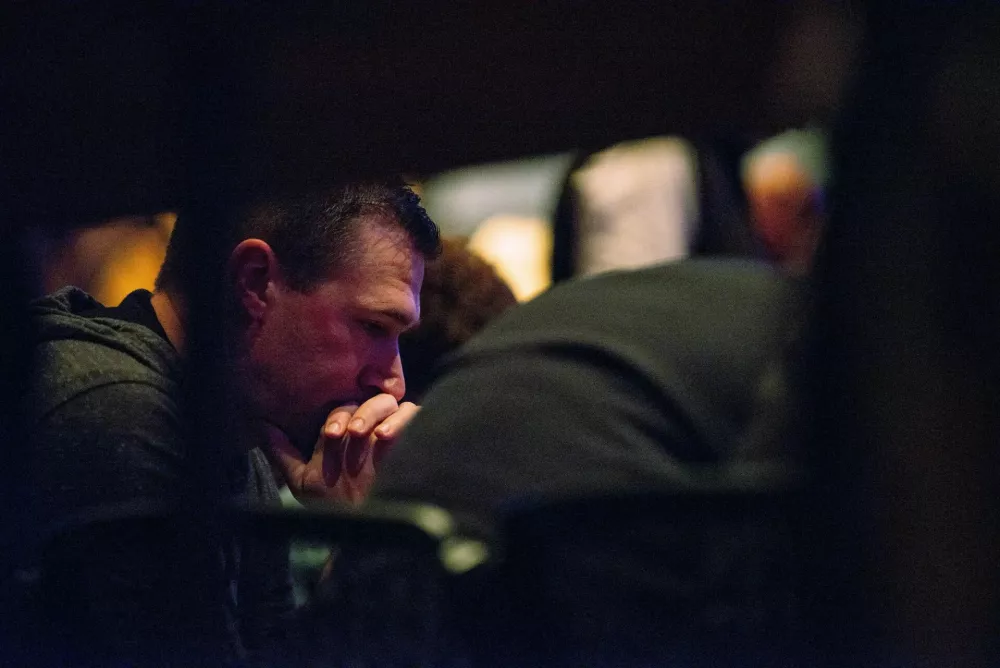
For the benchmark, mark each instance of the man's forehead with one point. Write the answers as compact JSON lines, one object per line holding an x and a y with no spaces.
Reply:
{"x":399,"y":304}
{"x":391,"y":285}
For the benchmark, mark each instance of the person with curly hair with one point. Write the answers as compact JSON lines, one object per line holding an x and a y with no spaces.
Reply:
{"x":461,"y":294}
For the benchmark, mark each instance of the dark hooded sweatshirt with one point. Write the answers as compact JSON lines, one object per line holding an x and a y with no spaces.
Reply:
{"x":106,"y":428}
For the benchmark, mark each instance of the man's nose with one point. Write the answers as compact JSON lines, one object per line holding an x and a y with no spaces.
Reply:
{"x":387,"y":379}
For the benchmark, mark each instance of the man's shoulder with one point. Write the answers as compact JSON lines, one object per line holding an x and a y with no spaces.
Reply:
{"x":120,"y":424}
{"x":78,"y":348}
{"x":118,"y":442}
{"x":724,"y":278}
{"x":662,"y":306}
{"x":120,"y":397}
{"x":66,"y":369}
{"x":80,"y":356}
{"x":74,"y":331}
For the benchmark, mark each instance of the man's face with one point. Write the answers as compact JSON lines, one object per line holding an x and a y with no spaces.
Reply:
{"x":338,"y":342}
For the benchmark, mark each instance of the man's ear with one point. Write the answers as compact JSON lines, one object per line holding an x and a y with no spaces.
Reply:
{"x":253,"y":270}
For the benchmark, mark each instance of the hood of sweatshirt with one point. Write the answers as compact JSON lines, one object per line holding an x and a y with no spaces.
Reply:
{"x":76,"y":352}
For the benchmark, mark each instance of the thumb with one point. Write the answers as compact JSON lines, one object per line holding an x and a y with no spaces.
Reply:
{"x":283,"y":454}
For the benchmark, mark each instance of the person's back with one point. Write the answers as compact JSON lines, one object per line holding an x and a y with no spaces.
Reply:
{"x":460,"y":295}
{"x":604,"y":384}
{"x":654,"y":381}
{"x":108,"y":440}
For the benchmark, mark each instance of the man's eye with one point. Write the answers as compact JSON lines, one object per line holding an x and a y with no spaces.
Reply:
{"x":374,"y":328}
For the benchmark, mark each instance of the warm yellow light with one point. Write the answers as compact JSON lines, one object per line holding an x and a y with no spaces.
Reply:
{"x":134,"y":261}
{"x":520,"y":248}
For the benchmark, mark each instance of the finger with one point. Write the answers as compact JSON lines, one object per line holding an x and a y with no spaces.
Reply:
{"x":371,"y":414}
{"x":361,"y":483}
{"x":281,"y":450}
{"x":300,"y":476}
{"x":393,"y":425}
{"x":380,"y":450}
{"x":332,"y":464}
{"x":357,"y":454}
{"x":336,"y":422}
{"x":367,"y":472}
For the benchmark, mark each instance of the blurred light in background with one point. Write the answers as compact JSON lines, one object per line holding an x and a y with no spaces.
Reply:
{"x":111,"y":259}
{"x":505,"y":210}
{"x":520,"y":249}
{"x":638,"y":205}
{"x":460,"y":200}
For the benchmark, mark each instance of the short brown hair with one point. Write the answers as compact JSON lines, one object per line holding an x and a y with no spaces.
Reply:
{"x":312,"y":235}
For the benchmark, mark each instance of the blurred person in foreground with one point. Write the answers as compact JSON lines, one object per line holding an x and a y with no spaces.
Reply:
{"x":317,"y":291}
{"x":657,"y":379}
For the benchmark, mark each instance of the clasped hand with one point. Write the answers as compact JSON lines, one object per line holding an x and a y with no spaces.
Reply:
{"x":352,"y":442}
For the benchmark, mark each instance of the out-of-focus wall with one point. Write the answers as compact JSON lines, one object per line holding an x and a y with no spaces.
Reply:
{"x":108,"y":260}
